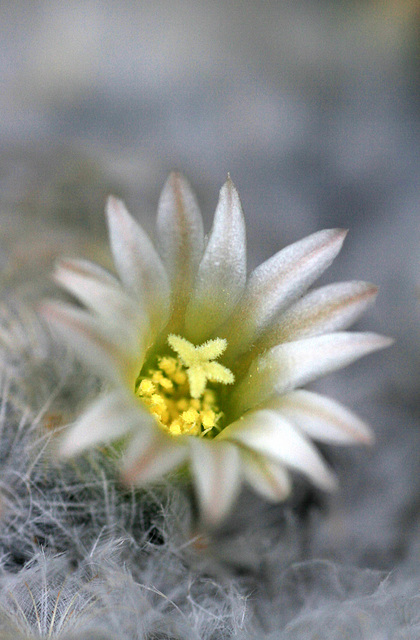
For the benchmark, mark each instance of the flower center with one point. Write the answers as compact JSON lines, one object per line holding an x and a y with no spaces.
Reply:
{"x":176,"y":390}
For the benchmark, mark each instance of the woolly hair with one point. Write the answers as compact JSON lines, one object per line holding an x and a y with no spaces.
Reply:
{"x":81,"y":557}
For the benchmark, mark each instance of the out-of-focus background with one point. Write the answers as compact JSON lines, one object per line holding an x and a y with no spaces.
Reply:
{"x":313,"y":108}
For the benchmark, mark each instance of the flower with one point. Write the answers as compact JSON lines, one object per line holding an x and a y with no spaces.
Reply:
{"x":204,"y":366}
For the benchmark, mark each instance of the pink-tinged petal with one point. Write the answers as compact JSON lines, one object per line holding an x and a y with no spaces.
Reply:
{"x":181,"y":241}
{"x":270,"y":479}
{"x":105,"y":298}
{"x":270,"y":435}
{"x":109,"y":418}
{"x":84,"y":335}
{"x":151,"y":455}
{"x":90,"y":270}
{"x":222,"y":272}
{"x":278,"y":282}
{"x":321,"y":418}
{"x":216,"y":471}
{"x":330,"y":308}
{"x":138,"y":263}
{"x":294,"y":364}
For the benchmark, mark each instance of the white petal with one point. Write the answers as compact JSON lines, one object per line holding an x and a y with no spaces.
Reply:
{"x":222,"y":271}
{"x":321,"y":418}
{"x":279,"y":281}
{"x":83,"y":335}
{"x":105,"y":297}
{"x":294,"y":364}
{"x":271,"y":435}
{"x":181,"y":241}
{"x":215,"y":467}
{"x":109,"y":418}
{"x":269,"y":479}
{"x":138,"y":263}
{"x":330,"y":308}
{"x":152,"y":454}
{"x":91,"y":270}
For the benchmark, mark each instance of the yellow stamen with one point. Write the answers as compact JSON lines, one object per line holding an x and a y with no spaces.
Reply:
{"x":176,"y":392}
{"x":190,"y":416}
{"x":208,"y":418}
{"x":168,"y":365}
{"x":146,"y":388}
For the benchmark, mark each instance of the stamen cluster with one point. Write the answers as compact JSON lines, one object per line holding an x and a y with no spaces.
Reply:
{"x":166,"y":392}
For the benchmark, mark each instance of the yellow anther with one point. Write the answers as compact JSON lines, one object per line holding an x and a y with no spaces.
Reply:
{"x":182,"y":404}
{"x":208,"y":418}
{"x":146,"y":388}
{"x":179,"y":377}
{"x":175,"y":427}
{"x":158,"y":400}
{"x":168,"y":365}
{"x":190,"y":416}
{"x":160,"y":379}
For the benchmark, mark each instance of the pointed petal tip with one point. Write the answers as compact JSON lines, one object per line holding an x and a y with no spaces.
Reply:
{"x":114,"y":205}
{"x":174,"y":178}
{"x":128,"y":476}
{"x":341,"y":231}
{"x":341,"y":234}
{"x":371,"y":289}
{"x":368,"y":438}
{"x":381,"y":342}
{"x":177,"y":186}
{"x":175,"y":174}
{"x":67,"y":448}
{"x":54,"y":313}
{"x":111,"y":200}
{"x":229,"y":182}
{"x":115,"y":210}
{"x":329,"y":482}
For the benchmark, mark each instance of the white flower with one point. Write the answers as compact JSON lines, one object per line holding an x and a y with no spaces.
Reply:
{"x":204,"y":365}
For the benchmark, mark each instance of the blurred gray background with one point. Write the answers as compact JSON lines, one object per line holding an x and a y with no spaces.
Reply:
{"x":312,"y":106}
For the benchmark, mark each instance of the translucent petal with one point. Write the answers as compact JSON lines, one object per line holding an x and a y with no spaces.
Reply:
{"x":274,"y":437}
{"x":181,"y":241}
{"x":222,"y":272}
{"x":109,"y":418}
{"x":103,"y":294}
{"x":294,"y":364}
{"x":84,"y":335}
{"x":330,"y":308}
{"x":269,"y":479}
{"x":277,"y":283}
{"x":152,"y":454}
{"x":138,"y":263}
{"x":321,"y":418}
{"x":215,"y":466}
